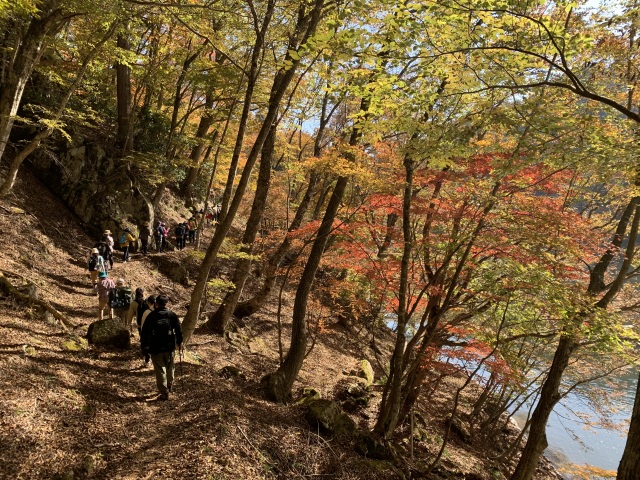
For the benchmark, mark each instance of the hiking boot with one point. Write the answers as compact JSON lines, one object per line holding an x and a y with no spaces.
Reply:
{"x":164,"y":397}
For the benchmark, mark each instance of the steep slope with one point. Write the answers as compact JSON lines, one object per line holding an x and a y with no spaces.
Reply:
{"x":68,"y":411}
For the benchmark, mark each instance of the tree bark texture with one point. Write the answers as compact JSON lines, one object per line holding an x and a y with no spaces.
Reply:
{"x":34,"y":143}
{"x":251,"y":306}
{"x":305,"y":28}
{"x":206,"y":120}
{"x":49,"y":21}
{"x":549,"y":397}
{"x":123,"y":97}
{"x":220,"y":319}
{"x":629,"y":468}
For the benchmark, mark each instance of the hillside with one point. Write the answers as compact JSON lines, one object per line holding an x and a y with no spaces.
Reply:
{"x":69,"y":411}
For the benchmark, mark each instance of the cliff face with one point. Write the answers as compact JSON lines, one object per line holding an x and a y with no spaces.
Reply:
{"x":94,"y":186}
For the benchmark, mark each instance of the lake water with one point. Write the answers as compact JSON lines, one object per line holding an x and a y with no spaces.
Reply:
{"x":573,"y":441}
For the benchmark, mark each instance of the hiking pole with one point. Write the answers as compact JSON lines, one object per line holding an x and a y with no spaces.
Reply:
{"x":181,"y":369}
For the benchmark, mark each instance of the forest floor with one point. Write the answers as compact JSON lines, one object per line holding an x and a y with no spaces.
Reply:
{"x":71,"y":411}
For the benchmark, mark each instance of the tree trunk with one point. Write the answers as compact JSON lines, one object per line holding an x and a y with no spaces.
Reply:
{"x":549,"y":397}
{"x":280,"y":382}
{"x":629,"y":468}
{"x":12,"y":174}
{"x":256,"y":302}
{"x":220,"y":319}
{"x":391,"y":396}
{"x":252,"y":305}
{"x":50,"y":20}
{"x":252,"y":78}
{"x":305,"y":27}
{"x":123,"y":94}
{"x":196,"y":152}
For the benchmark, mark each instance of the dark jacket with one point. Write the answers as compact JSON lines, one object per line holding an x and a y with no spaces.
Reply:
{"x":161,"y":332}
{"x":145,"y":233}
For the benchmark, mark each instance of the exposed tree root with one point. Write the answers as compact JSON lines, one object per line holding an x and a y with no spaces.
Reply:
{"x":27,"y":292}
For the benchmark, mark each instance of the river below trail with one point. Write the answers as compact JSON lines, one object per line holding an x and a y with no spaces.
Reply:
{"x":573,"y":440}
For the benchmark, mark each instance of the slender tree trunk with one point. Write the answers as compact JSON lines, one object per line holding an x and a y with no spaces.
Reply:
{"x":629,"y":468}
{"x":550,"y":394}
{"x":196,"y":152}
{"x":280,"y":382}
{"x":49,"y":20}
{"x":391,"y":397}
{"x":252,"y":305}
{"x":220,"y":319}
{"x":549,"y":397}
{"x":305,"y":27}
{"x":252,"y":78}
{"x":123,"y":94}
{"x":34,"y":143}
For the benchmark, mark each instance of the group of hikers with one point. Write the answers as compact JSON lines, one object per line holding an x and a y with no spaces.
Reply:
{"x":158,"y":327}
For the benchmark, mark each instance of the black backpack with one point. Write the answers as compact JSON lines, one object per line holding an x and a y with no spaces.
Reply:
{"x":103,"y":249}
{"x":179,"y":231}
{"x":163,"y":338}
{"x":93,"y":263}
{"x":121,"y":298}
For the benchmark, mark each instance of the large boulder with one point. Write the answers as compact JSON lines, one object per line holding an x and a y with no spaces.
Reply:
{"x":328,"y":417}
{"x":108,"y":333}
{"x":94,"y":184}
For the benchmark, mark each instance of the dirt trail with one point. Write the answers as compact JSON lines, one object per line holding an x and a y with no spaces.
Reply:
{"x":92,"y":414}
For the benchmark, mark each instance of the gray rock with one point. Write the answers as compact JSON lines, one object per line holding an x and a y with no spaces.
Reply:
{"x":328,"y":417}
{"x":108,"y":333}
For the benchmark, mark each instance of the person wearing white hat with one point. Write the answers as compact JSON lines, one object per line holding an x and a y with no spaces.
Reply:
{"x":108,"y":239}
{"x":95,"y":265}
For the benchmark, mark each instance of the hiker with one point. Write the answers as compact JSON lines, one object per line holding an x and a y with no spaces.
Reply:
{"x":136,"y":305}
{"x":120,"y":300}
{"x":157,"y":236}
{"x":126,"y":240}
{"x":150,"y":303}
{"x":145,"y":234}
{"x":193,"y":228}
{"x":180,"y":236}
{"x":95,"y":264}
{"x":104,"y":251}
{"x":160,"y":234}
{"x":161,"y":333}
{"x":108,"y":239}
{"x":104,"y":288}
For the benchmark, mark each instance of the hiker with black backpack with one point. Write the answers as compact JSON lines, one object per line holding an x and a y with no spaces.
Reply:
{"x":120,"y":300}
{"x":105,"y":252}
{"x":161,"y":333}
{"x":95,"y":265}
{"x":180,"y":236}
